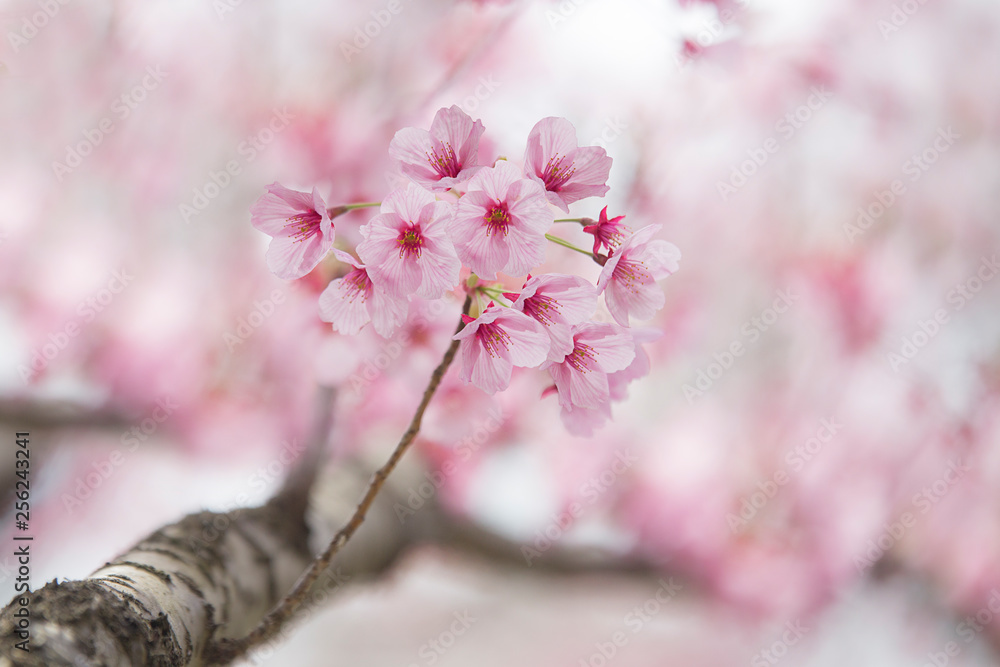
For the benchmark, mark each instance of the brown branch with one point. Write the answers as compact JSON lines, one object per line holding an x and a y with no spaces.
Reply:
{"x":227,"y":650}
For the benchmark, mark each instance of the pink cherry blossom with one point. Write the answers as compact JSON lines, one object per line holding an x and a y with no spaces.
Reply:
{"x":618,"y":382}
{"x":443,"y":157}
{"x":353,"y":301}
{"x":557,"y":302}
{"x":584,"y":421}
{"x":406,"y":247}
{"x":300,"y":228}
{"x":582,"y":377}
{"x":609,"y":233}
{"x":628,"y":279}
{"x":567,"y":172}
{"x":499,"y":339}
{"x":501,"y":222}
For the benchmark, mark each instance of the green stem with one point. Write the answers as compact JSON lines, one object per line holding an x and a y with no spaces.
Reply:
{"x":496,"y":294}
{"x":580,"y":220}
{"x":364,"y":204}
{"x":566,"y":244}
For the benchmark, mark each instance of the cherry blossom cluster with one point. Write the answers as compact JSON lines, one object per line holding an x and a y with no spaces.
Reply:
{"x":461,"y":222}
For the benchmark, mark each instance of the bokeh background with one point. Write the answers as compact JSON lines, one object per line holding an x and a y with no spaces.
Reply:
{"x":830,"y":172}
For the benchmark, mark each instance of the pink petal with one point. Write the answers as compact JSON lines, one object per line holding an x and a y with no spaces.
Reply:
{"x":662,"y":258}
{"x":290,"y":258}
{"x":549,"y":137}
{"x":491,"y":374}
{"x":560,"y":341}
{"x":456,"y":127}
{"x":407,"y":202}
{"x":439,"y":272}
{"x":613,"y":348}
{"x":387,"y":312}
{"x":525,"y":253}
{"x":588,"y":390}
{"x":494,"y":181}
{"x":584,"y":421}
{"x":577,"y":298}
{"x":484,"y":254}
{"x":342,"y":305}
{"x":640,"y":301}
{"x":529,"y":344}
{"x":528,"y":205}
{"x":593,"y":166}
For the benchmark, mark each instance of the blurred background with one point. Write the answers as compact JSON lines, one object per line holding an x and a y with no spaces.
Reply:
{"x":814,"y":458}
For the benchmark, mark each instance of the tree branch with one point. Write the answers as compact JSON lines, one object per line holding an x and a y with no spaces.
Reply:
{"x":227,"y":650}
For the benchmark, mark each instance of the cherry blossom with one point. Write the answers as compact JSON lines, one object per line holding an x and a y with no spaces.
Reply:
{"x":628,"y":279}
{"x":609,"y":233}
{"x":582,"y":377}
{"x":406,"y":247}
{"x":499,"y":339}
{"x":299,"y":226}
{"x":501,"y":222}
{"x":567,"y":172}
{"x":443,"y":157}
{"x":557,"y":301}
{"x":353,"y":301}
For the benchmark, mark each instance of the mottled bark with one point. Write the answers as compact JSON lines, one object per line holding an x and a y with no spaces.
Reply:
{"x":207,"y":577}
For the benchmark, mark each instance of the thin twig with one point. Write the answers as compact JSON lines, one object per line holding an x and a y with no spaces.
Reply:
{"x":227,"y":650}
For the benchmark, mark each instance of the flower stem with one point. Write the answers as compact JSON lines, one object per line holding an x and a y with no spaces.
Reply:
{"x":496,"y":294}
{"x":580,"y":220}
{"x":567,"y":244}
{"x":227,"y":650}
{"x":364,"y":204}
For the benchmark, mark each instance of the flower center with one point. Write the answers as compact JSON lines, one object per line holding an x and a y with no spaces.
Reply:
{"x":631,"y":274}
{"x":497,"y":219}
{"x":543,"y":308}
{"x":303,"y":225}
{"x":556,"y":173}
{"x":356,"y":283}
{"x":444,"y":161}
{"x":493,"y":338}
{"x":410,"y":242}
{"x":582,"y":358}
